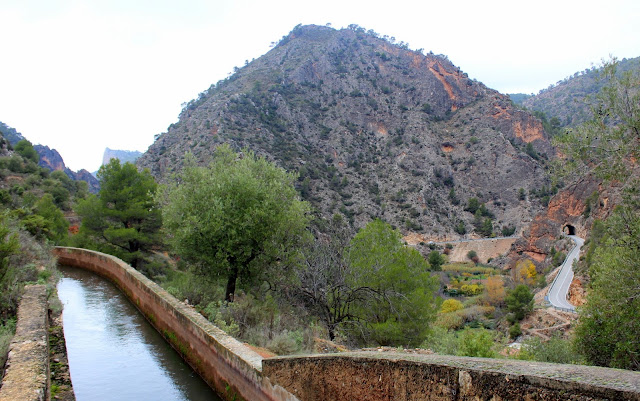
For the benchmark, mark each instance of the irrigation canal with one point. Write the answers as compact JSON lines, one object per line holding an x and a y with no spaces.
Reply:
{"x":114,"y":353}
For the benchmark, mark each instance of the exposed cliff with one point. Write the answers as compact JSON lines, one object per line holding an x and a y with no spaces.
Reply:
{"x":572,"y":211}
{"x":122,"y":155}
{"x":51,"y":159}
{"x":374,"y":129}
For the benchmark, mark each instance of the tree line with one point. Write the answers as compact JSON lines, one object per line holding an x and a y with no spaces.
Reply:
{"x":240,"y":225}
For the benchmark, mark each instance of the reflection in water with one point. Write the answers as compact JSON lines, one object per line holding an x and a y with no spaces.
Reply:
{"x":114,"y":353}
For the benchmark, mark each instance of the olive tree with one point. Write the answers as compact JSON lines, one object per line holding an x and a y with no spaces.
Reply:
{"x":240,"y":218}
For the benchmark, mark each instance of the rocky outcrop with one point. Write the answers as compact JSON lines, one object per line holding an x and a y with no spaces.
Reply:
{"x":122,"y":155}
{"x":374,"y":129}
{"x":86,"y":176}
{"x":10,"y":134}
{"x":572,"y":210}
{"x":565,"y":208}
{"x":51,"y":159}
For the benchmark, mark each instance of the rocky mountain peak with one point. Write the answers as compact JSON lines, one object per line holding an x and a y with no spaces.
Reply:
{"x":122,"y":155}
{"x":375,"y":130}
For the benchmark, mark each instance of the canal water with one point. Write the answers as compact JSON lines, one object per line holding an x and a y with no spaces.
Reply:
{"x":114,"y":352}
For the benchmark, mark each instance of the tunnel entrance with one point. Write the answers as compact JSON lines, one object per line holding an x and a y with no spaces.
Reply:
{"x":569,"y":229}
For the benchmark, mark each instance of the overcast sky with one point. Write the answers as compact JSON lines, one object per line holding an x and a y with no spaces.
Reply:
{"x":80,"y":76}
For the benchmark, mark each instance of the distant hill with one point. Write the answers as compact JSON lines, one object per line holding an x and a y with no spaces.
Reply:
{"x":122,"y":155}
{"x":375,"y":130}
{"x":51,"y":159}
{"x":568,"y":99}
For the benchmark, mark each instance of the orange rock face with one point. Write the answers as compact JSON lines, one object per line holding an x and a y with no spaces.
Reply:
{"x":524,"y":126}
{"x":447,"y":147}
{"x":565,"y":208}
{"x":577,"y":293}
{"x":528,"y":131}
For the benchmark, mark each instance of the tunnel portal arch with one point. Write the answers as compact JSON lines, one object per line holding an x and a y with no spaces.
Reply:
{"x":569,"y":229}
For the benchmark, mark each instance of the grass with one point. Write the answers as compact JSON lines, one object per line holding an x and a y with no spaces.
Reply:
{"x":6,"y":334}
{"x":468,"y":267}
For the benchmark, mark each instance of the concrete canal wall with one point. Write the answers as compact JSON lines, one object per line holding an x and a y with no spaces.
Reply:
{"x":231,"y":368}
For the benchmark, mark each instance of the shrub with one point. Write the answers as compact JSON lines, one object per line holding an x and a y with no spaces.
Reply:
{"x":476,"y":342}
{"x":451,"y":305}
{"x":435,"y":260}
{"x":449,"y":321}
{"x":472,"y":205}
{"x":515,"y":331}
{"x":555,"y":350}
{"x":441,"y":341}
{"x":473,"y":256}
{"x":520,"y":301}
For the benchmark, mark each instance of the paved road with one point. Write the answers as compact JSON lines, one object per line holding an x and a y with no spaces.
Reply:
{"x":560,"y":287}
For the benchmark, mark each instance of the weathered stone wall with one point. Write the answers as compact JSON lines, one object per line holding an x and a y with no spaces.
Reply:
{"x":381,"y":376}
{"x":231,"y":368}
{"x":27,"y":374}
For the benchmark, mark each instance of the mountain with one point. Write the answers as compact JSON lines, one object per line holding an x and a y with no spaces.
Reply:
{"x":375,"y":130}
{"x":10,"y":134}
{"x":122,"y":155}
{"x":587,"y":198}
{"x":567,"y":100}
{"x":51,"y":159}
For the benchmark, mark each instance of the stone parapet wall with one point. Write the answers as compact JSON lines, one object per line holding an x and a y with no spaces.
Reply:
{"x":27,"y":375}
{"x":230,"y":367}
{"x":383,"y":376}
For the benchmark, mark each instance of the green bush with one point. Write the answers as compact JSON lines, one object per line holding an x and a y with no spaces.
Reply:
{"x":520,"y":301}
{"x":441,"y":341}
{"x":476,"y":342}
{"x":6,"y":334}
{"x":460,"y":228}
{"x":556,"y":350}
{"x":515,"y":331}
{"x":26,"y":150}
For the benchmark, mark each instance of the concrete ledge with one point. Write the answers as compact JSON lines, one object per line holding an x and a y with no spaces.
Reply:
{"x":386,"y":376}
{"x":27,"y":374}
{"x":228,"y":366}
